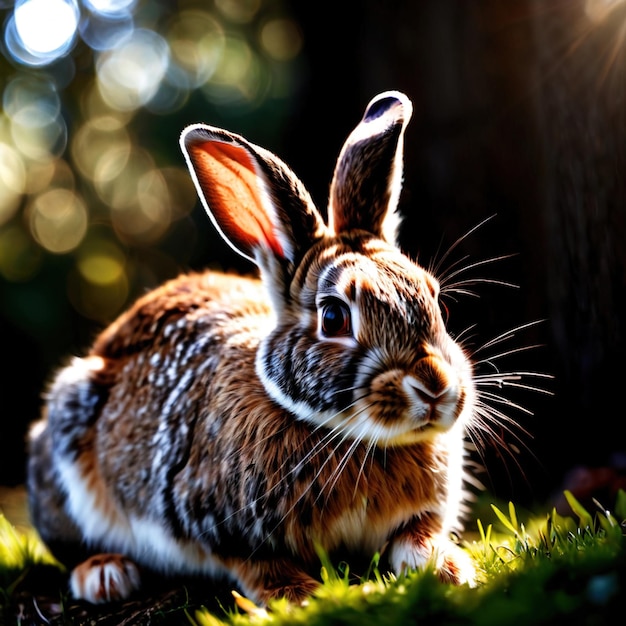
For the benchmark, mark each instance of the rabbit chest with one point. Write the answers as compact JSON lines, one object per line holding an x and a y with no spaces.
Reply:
{"x":274,"y":488}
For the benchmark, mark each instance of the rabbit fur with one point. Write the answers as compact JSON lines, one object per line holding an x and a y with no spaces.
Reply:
{"x":229,"y":425}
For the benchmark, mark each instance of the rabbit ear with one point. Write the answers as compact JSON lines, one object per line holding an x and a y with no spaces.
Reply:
{"x":255,"y":201}
{"x":368,"y":177}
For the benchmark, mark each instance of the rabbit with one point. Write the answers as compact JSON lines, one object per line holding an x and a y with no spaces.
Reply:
{"x":237,"y":426}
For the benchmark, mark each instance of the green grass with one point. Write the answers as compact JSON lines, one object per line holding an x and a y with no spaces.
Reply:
{"x":20,"y":552}
{"x":546,"y":569}
{"x":553,"y":569}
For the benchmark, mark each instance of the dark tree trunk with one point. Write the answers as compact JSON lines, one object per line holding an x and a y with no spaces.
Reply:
{"x":519,"y":112}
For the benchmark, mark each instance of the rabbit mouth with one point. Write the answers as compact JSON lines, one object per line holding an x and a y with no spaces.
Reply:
{"x":429,"y":427}
{"x":385,"y":425}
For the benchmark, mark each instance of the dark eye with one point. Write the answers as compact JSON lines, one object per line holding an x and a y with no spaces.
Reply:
{"x":336,"y":319}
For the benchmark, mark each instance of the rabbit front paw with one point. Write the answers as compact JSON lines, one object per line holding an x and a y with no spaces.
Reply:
{"x":456,"y":566}
{"x":452,"y":563}
{"x":104,"y":578}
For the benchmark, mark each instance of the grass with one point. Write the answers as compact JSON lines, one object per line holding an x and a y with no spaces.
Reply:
{"x":546,"y":569}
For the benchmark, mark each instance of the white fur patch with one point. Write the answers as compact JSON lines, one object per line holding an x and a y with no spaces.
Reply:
{"x":301,"y":410}
{"x":146,"y":541}
{"x":405,"y":555}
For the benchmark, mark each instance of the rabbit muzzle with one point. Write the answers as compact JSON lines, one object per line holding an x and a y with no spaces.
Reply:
{"x":405,"y":405}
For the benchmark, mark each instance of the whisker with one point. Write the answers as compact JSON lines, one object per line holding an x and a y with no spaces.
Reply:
{"x":330,"y":484}
{"x":481,"y":446}
{"x":334,"y":433}
{"x":326,"y":439}
{"x":506,"y":376}
{"x":456,"y":287}
{"x":508,"y":334}
{"x":459,"y":337}
{"x":445,"y":278}
{"x":515,"y":385}
{"x":447,"y":293}
{"x":490,"y":424}
{"x":330,"y":436}
{"x":257,"y":444}
{"x":462,"y":238}
{"x":504,"y":401}
{"x":491,"y":413}
{"x":369,"y":451}
{"x":490,"y":359}
{"x":491,"y":417}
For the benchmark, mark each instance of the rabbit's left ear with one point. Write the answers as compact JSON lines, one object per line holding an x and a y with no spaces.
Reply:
{"x":368,"y":176}
{"x":254,"y":199}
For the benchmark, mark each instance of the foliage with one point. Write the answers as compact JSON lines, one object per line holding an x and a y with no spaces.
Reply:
{"x":20,"y":550}
{"x":546,"y":570}
{"x":96,"y":204}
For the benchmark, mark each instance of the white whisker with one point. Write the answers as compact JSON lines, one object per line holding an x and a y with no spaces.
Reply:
{"x":504,"y":401}
{"x":474,"y":265}
{"x":459,"y":286}
{"x":514,"y":385}
{"x":335,"y":433}
{"x":509,"y":334}
{"x":321,"y":445}
{"x":435,"y":269}
{"x":330,"y":484}
{"x":369,"y":452}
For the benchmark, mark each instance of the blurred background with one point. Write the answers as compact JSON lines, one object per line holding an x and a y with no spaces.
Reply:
{"x":518,"y":141}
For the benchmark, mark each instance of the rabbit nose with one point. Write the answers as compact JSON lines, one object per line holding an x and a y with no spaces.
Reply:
{"x":431,"y":381}
{"x":424,"y":393}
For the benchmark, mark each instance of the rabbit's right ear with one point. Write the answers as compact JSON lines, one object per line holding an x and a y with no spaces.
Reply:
{"x":254,"y":199}
{"x":368,"y":176}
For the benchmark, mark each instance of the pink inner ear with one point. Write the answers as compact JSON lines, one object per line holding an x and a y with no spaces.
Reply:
{"x":232,"y":188}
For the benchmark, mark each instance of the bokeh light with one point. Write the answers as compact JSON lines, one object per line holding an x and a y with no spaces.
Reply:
{"x":89,"y":172}
{"x":281,"y":39}
{"x":12,"y":181}
{"x":241,"y":11}
{"x":58,"y":220}
{"x":33,"y":106}
{"x":46,"y":27}
{"x":111,"y":8}
{"x":104,"y":31}
{"x":40,"y":31}
{"x":130,"y":74}
{"x":196,"y":42}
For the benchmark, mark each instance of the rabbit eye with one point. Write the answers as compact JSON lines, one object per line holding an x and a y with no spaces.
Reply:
{"x":336,"y":319}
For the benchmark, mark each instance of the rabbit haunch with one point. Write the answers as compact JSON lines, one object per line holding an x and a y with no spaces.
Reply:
{"x":233,"y":425}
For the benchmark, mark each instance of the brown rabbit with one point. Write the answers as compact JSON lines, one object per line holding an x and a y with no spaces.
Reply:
{"x":229,"y":425}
